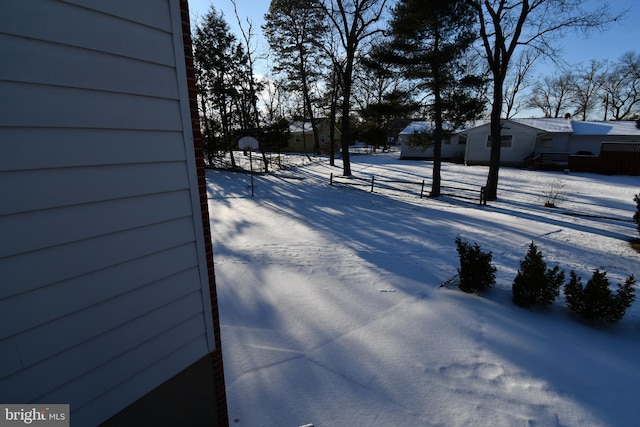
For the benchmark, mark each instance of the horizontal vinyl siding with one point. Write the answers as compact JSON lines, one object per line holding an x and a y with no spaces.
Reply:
{"x":102,"y":284}
{"x":39,"y":230}
{"x":23,"y":312}
{"x":77,"y":328}
{"x":148,"y":351}
{"x":81,"y":27}
{"x":47,"y":148}
{"x":136,"y":11}
{"x":54,"y":188}
{"x":140,"y":382}
{"x":92,"y":358}
{"x":34,"y":105}
{"x":28,"y":272}
{"x":61,"y":65}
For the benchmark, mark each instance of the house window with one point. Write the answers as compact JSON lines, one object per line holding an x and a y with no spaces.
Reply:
{"x":505,"y":141}
{"x":462,"y":139}
{"x":546,"y":143}
{"x":298,"y":139}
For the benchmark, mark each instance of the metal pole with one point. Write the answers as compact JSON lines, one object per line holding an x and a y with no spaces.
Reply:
{"x":422,"y":189}
{"x":251,"y":167}
{"x":373,"y":178}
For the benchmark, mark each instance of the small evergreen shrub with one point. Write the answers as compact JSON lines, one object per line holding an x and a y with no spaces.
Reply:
{"x":476,"y":271}
{"x":595,"y":301}
{"x":535,"y":283}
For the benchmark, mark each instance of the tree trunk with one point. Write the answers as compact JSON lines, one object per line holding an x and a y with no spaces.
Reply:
{"x":437,"y":134}
{"x":491,"y":189}
{"x":332,"y":118}
{"x":307,"y":109}
{"x":346,"y":98}
{"x":332,"y":135}
{"x":344,"y":130}
{"x":437,"y":161}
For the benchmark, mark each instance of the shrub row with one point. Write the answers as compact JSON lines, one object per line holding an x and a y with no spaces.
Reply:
{"x":537,"y":285}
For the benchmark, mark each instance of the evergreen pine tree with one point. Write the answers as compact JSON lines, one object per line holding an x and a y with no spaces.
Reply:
{"x":595,"y":301}
{"x":476,"y":271}
{"x":573,"y":293}
{"x":597,"y":297}
{"x":535,"y":283}
{"x":624,"y":298}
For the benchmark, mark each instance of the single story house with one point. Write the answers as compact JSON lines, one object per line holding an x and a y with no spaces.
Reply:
{"x":108,"y":299}
{"x":526,"y":140}
{"x":453,"y":147}
{"x":301,"y":136}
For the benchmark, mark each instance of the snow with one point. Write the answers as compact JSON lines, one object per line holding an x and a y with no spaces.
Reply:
{"x":332,"y":312}
{"x":547,"y":124}
{"x":622,"y":128}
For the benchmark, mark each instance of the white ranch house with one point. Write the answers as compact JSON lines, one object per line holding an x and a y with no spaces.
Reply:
{"x":524,"y":138}
{"x":527,"y":141}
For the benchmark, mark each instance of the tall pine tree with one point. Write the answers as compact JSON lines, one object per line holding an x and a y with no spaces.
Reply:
{"x":428,"y":42}
{"x":218,"y":60}
{"x":292,"y":29}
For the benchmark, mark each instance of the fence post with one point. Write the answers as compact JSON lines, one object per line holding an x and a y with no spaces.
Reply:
{"x":331,"y":179}
{"x":483,"y":195}
{"x":422,"y":189}
{"x":373,"y":178}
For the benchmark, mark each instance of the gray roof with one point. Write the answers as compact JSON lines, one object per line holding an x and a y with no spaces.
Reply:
{"x":606,"y":128}
{"x":561,"y":125}
{"x":421,"y":126}
{"x":551,"y":125}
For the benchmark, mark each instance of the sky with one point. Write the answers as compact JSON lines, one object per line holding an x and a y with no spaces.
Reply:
{"x":332,"y":311}
{"x":610,"y":44}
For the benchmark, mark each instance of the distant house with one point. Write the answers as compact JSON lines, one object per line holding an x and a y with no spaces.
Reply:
{"x":527,"y":141}
{"x":301,"y":136}
{"x":520,"y":138}
{"x":453,"y":147}
{"x":107,"y":298}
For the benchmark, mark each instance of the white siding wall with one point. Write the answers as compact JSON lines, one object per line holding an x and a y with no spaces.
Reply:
{"x":103,"y":287}
{"x":450,"y":149}
{"x":522,"y":145}
{"x":559,"y":144}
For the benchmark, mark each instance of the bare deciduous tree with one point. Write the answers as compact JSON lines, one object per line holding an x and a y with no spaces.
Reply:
{"x":354,"y":21}
{"x":553,"y":95}
{"x":517,"y":80}
{"x":250,"y":111}
{"x":622,"y":87}
{"x":587,"y":83}
{"x":506,"y":25}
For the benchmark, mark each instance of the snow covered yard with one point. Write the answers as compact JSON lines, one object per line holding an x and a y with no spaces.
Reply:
{"x":332,"y":311}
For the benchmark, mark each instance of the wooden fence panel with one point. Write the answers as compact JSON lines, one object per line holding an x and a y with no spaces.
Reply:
{"x":614,"y":159}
